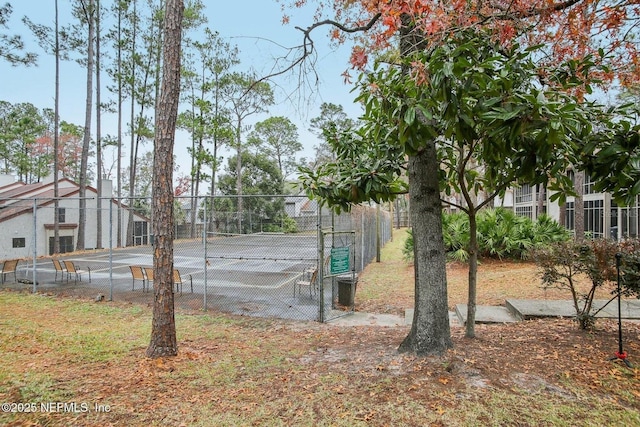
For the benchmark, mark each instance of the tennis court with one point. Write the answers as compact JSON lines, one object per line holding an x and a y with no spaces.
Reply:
{"x":247,"y":275}
{"x":259,"y":274}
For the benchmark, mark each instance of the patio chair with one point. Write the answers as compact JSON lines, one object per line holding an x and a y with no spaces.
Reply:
{"x":77,"y":272}
{"x":59,"y":269}
{"x":8,"y":267}
{"x":137,"y":273}
{"x":148,"y":271}
{"x":177,"y":280}
{"x":309,"y":279}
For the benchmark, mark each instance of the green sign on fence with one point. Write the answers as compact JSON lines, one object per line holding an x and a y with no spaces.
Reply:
{"x":340,"y":260}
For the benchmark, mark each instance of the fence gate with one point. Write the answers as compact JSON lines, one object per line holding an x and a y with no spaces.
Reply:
{"x":301,"y":265}
{"x":262,"y":274}
{"x":337,"y":279}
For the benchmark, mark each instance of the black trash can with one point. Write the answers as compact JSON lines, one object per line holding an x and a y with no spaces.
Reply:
{"x":346,"y":290}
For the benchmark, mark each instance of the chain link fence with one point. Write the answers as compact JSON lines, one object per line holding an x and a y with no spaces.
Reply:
{"x":250,"y":255}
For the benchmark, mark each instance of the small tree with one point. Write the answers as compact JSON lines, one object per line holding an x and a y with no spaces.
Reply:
{"x":566,"y":265}
{"x":630,"y":267}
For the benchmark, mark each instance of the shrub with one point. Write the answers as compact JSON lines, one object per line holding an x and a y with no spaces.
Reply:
{"x":501,"y":234}
{"x":283,"y":225}
{"x":630,"y":267}
{"x":407,"y":249}
{"x":289,"y":225}
{"x":563,"y":264}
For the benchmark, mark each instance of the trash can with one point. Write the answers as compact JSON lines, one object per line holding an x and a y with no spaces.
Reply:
{"x":346,"y":290}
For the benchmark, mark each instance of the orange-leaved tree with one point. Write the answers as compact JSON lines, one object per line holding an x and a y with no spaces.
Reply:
{"x":571,"y":29}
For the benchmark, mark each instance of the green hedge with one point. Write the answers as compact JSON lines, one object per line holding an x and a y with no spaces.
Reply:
{"x":501,"y":234}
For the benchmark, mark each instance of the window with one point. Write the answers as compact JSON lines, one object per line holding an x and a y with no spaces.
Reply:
{"x":629,"y":221}
{"x":569,"y":216}
{"x":594,"y":217}
{"x":588,"y":185}
{"x":66,"y":244}
{"x":613,"y":220}
{"x":524,"y":194}
{"x":140,"y":233}
{"x":526,"y":211}
{"x":61,"y":215}
{"x":19,"y":242}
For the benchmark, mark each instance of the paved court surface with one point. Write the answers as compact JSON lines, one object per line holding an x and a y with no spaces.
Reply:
{"x":252,"y":276}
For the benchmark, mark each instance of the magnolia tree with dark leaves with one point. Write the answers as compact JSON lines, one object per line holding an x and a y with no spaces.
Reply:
{"x":407,"y":32}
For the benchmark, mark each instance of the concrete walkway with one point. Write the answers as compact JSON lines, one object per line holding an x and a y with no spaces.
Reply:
{"x":514,"y":310}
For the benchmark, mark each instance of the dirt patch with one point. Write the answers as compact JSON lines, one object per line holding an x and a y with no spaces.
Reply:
{"x":497,"y":281}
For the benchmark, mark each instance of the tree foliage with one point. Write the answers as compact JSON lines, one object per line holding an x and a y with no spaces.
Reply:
{"x":278,"y":139}
{"x":501,"y":234}
{"x":570,"y":30}
{"x":260,"y":177}
{"x":331,"y":122}
{"x":12,"y":46}
{"x":611,"y":156}
{"x":423,"y":28}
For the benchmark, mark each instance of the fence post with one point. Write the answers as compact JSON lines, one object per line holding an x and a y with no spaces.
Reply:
{"x":320,"y":261}
{"x":362,"y":239}
{"x":35,"y":244}
{"x":378,"y":232}
{"x":111,"y":249}
{"x":204,"y":237}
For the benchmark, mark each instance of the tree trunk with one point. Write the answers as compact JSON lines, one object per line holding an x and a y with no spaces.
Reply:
{"x":194,"y":179}
{"x":56,"y":142}
{"x":239,"y":175}
{"x":473,"y":275}
{"x":98,"y":135}
{"x":133,"y":154}
{"x":578,"y":212}
{"x":84,"y":161}
{"x":562,"y":217}
{"x":163,"y":333}
{"x":430,"y":332}
{"x":540,"y":200}
{"x":120,"y":113}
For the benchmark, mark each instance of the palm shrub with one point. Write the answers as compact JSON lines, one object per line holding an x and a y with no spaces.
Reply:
{"x":546,"y":230}
{"x":501,"y":234}
{"x":455,"y":230}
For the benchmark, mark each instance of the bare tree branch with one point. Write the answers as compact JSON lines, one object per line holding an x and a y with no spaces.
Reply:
{"x":307,"y":48}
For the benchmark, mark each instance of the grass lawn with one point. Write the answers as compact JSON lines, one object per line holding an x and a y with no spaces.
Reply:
{"x":72,"y":362}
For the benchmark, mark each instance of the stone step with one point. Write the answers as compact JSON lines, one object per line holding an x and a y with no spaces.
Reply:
{"x":486,"y":314}
{"x":531,"y":309}
{"x":408,"y":317}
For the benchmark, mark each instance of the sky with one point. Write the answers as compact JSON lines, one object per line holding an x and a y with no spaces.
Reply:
{"x":255,"y":26}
